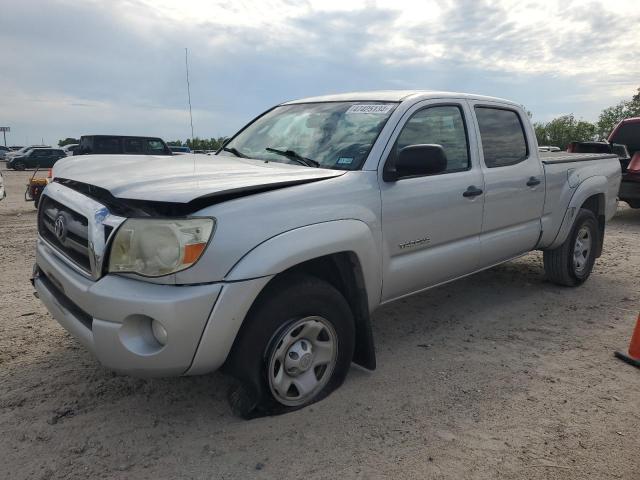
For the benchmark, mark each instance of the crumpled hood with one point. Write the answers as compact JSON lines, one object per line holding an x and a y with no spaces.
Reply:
{"x":182,"y":178}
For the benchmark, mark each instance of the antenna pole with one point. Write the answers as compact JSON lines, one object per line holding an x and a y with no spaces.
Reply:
{"x":186,"y":64}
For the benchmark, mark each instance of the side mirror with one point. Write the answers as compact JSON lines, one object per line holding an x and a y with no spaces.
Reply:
{"x":415,"y":161}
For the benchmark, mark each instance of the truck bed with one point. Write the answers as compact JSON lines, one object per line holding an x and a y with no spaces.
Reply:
{"x":564,"y":157}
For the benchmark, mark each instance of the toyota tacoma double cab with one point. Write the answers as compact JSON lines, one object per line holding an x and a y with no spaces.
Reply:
{"x":267,"y":259}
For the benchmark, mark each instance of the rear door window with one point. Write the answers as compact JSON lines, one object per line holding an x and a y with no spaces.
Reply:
{"x":503,"y":140}
{"x":133,"y":145}
{"x":106,"y":145}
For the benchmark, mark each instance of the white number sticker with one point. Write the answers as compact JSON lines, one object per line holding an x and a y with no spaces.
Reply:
{"x":369,"y":108}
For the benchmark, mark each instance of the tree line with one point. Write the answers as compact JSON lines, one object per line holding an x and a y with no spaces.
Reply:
{"x":198,"y":143}
{"x":566,"y":128}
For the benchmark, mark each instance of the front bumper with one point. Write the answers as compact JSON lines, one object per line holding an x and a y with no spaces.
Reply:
{"x":112,"y":317}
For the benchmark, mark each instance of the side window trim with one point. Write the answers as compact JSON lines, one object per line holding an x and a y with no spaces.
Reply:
{"x":402,"y":124}
{"x":524,"y":133}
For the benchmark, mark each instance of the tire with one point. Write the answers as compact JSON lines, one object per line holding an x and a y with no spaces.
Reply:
{"x":18,"y":166}
{"x":571,"y":263}
{"x":299,"y":333}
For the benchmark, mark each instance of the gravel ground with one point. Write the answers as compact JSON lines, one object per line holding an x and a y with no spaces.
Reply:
{"x":498,"y":376}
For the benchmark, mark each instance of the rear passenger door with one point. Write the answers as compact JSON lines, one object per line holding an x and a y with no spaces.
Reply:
{"x":38,"y":158}
{"x":430,"y":226}
{"x":514,"y":183}
{"x":57,"y":155}
{"x":49,"y":159}
{"x":134,"y":146}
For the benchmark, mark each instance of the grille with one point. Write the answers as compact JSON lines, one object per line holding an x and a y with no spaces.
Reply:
{"x":72,"y":239}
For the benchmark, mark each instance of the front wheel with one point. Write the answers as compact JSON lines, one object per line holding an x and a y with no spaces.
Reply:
{"x":571,"y":263}
{"x":294,"y":348}
{"x":18,"y":166}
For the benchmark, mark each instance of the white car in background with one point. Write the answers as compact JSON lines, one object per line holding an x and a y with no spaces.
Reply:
{"x":70,"y":149}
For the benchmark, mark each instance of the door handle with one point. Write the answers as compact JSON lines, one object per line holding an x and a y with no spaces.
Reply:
{"x":533,"y":181}
{"x":472,"y":191}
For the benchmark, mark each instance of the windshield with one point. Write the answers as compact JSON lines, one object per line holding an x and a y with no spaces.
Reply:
{"x":335,"y":135}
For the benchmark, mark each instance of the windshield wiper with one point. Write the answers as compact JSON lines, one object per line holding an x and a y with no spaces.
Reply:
{"x":235,"y":151}
{"x":293,"y":155}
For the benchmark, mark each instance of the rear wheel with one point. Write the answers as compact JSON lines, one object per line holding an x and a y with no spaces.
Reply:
{"x":571,"y":263}
{"x":294,"y":348}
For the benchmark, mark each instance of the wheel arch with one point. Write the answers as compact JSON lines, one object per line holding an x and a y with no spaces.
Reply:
{"x":342,"y":253}
{"x":590,"y":194}
{"x":344,"y":272}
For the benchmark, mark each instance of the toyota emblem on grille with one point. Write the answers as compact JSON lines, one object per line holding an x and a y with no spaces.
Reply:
{"x":60,"y":227}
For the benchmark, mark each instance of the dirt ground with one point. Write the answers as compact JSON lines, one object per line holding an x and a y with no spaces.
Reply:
{"x":498,"y":376}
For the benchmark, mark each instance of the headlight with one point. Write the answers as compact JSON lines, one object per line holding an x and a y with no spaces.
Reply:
{"x":156,"y":247}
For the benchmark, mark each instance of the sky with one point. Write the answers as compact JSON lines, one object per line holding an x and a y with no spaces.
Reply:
{"x":72,"y":67}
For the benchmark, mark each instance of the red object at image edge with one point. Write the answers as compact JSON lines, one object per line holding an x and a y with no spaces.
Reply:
{"x":633,"y":357}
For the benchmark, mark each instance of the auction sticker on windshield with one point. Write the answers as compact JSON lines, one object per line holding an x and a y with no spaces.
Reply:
{"x":369,"y":109}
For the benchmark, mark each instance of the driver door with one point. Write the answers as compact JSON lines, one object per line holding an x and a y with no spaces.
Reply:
{"x":431,"y":226}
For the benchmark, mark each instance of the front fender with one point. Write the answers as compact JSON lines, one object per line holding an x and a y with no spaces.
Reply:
{"x":588,"y":188}
{"x":293,"y":247}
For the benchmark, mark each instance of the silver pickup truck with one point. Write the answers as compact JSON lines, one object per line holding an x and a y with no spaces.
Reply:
{"x":267,"y":259}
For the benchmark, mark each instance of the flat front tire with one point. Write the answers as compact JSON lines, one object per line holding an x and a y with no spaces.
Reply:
{"x":295,"y":347}
{"x":572,"y":262}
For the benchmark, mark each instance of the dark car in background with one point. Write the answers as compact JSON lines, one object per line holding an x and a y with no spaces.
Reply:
{"x":121,"y":144}
{"x":36,"y":158}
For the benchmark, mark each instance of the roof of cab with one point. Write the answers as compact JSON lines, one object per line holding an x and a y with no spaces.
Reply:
{"x":395,"y":96}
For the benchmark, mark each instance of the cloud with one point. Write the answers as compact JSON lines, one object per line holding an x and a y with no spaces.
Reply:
{"x":118,"y":66}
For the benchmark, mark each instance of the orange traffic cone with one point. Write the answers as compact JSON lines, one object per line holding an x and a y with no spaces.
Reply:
{"x":633,"y":358}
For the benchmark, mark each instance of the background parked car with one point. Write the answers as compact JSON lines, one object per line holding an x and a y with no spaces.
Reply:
{"x":14,"y":148}
{"x":120,"y":144}
{"x":71,"y":149}
{"x":23,"y":151}
{"x":3,"y":193}
{"x":547,"y":148}
{"x":36,"y":157}
{"x":179,"y":149}
{"x":3,"y":151}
